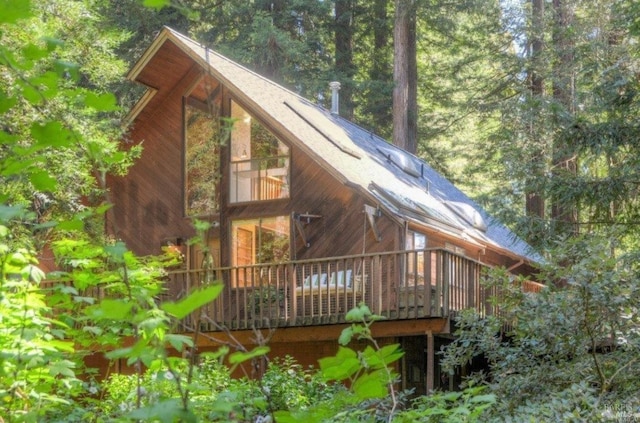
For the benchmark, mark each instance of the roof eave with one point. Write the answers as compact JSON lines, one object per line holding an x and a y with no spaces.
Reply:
{"x":148,"y":54}
{"x":139,"y":106}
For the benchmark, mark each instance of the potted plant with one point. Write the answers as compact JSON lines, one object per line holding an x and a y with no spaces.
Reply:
{"x":266,"y":301}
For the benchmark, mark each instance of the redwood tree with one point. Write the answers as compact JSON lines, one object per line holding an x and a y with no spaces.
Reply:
{"x":405,"y":103}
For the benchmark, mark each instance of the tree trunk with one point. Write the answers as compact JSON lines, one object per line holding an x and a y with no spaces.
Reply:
{"x":563,"y":213}
{"x":535,"y":203}
{"x":344,"y":54}
{"x":381,"y":70}
{"x":405,"y":72}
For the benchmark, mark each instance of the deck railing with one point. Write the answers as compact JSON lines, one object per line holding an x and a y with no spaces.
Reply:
{"x":398,"y":285}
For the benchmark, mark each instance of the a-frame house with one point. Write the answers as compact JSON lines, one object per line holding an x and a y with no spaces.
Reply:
{"x":309,"y":215}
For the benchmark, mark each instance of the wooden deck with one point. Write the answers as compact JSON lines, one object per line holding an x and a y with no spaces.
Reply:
{"x":432,"y":283}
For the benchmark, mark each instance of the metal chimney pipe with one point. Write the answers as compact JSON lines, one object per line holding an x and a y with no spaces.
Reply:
{"x":335,"y":98}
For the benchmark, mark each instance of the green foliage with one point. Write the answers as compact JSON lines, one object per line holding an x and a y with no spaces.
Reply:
{"x":594,"y":125}
{"x":193,"y":301}
{"x":288,"y":386}
{"x":215,"y":396}
{"x":369,"y":375}
{"x":579,"y":334}
{"x":37,"y":363}
{"x":450,"y":407}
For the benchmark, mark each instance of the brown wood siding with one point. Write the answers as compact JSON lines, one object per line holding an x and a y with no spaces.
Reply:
{"x":166,"y":68}
{"x":148,"y":202}
{"x":339,"y":231}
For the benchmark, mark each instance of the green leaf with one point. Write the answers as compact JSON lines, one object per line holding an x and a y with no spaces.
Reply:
{"x":345,"y":336}
{"x":13,"y":10}
{"x":94,"y":330}
{"x":283,"y":416}
{"x":101,"y":102}
{"x":109,"y":309}
{"x":119,"y":353}
{"x":62,"y":367}
{"x":103,"y":208}
{"x":71,"y":225}
{"x":18,"y":258}
{"x":357,"y":314}
{"x":116,"y":251}
{"x":382,"y":357}
{"x":8,"y":213}
{"x":167,"y":411}
{"x":52,"y":43}
{"x":67,"y":69}
{"x":179,"y":341}
{"x":371,"y":385}
{"x":34,"y":273}
{"x":34,"y":52}
{"x":6,"y":103}
{"x":42,"y":181}
{"x":489,"y":398}
{"x":60,"y":345}
{"x":241,"y":356}
{"x":30,"y":93}
{"x":51,"y":134}
{"x":156,"y":4}
{"x":342,"y":366}
{"x":47,"y":83}
{"x":193,"y":301}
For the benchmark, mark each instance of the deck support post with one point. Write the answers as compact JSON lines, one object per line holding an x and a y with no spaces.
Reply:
{"x":431,"y":365}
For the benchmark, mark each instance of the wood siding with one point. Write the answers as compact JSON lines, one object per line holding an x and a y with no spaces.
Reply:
{"x":340,"y":228}
{"x":148,"y":202}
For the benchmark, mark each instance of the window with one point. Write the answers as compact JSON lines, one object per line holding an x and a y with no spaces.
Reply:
{"x":416,"y":259}
{"x":257,"y":241}
{"x":202,"y":158}
{"x":259,"y":167}
{"x":416,"y":241}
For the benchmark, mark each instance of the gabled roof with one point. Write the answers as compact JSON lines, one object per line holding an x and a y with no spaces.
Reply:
{"x":402,"y":184}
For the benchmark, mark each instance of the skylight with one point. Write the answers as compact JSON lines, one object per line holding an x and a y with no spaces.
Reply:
{"x":420,"y":208}
{"x":402,"y":160}
{"x":469,"y":214}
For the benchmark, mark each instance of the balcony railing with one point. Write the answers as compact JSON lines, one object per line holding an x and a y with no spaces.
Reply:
{"x":397,"y":285}
{"x":259,"y":179}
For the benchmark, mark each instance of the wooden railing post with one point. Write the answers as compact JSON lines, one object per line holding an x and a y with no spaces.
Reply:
{"x":446,"y":283}
{"x":293,"y":297}
{"x":439,"y":282}
{"x":428,"y":282}
{"x":376,"y":288}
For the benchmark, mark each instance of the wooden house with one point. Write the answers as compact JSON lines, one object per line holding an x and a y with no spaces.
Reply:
{"x":308,"y":214}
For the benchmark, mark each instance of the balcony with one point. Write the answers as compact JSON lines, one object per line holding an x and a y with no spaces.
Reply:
{"x":259,"y":179}
{"x":415,"y":284}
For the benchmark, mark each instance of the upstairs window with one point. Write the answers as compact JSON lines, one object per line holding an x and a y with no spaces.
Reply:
{"x":416,"y":241}
{"x":259,"y":168}
{"x":416,"y":259}
{"x":202,"y":157}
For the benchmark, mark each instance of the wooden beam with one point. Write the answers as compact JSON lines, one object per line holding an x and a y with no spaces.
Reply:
{"x":430,"y":362}
{"x":382,"y":329}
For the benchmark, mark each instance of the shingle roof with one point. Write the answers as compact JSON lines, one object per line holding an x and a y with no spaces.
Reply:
{"x":401,"y":183}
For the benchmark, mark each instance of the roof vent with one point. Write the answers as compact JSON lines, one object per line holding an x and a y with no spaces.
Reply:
{"x":335,"y":99}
